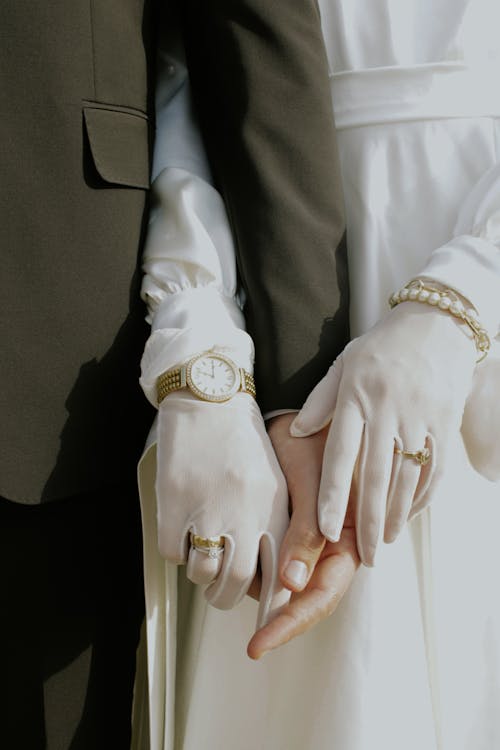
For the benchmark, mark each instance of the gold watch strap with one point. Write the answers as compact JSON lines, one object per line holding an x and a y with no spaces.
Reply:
{"x":175,"y":380}
{"x":171,"y":380}
{"x":247,"y":382}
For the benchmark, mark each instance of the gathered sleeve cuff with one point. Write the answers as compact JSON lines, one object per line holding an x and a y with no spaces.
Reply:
{"x":188,"y":248}
{"x":470,"y":262}
{"x":190,"y":280}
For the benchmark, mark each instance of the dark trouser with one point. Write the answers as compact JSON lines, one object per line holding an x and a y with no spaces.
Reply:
{"x":71,"y":607}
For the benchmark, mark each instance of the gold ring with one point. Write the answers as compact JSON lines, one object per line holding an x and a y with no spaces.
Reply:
{"x":213,"y":546}
{"x":422,"y":457}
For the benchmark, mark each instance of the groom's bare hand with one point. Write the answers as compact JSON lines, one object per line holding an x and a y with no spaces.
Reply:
{"x":317,"y":572}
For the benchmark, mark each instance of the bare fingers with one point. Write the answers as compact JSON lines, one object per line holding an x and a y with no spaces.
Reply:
{"x":330,"y":581}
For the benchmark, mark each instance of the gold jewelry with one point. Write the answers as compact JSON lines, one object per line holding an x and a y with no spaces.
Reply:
{"x":213,"y":546}
{"x":448,"y":301}
{"x":422,"y":457}
{"x":210,"y":376}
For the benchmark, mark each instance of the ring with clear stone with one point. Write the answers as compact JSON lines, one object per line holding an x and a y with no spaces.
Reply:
{"x":213,"y":546}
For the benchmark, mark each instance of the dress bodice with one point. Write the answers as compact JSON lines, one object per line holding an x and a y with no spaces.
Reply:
{"x":362,"y":34}
{"x":416,"y":99}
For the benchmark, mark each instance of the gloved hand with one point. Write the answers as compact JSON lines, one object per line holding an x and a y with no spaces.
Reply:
{"x":218,"y":476}
{"x":401,"y":386}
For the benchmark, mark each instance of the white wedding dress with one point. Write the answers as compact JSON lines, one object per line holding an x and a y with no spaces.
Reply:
{"x":411,"y":658}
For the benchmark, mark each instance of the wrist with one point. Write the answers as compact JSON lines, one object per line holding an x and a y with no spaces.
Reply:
{"x":433,"y":296}
{"x":280,"y":421}
{"x":209,"y":376}
{"x":169,"y":348}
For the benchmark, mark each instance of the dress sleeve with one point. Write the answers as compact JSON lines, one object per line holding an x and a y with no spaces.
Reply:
{"x":470,"y":262}
{"x":190,"y":281}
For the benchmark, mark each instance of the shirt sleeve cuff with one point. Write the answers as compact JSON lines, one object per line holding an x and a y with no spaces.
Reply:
{"x":198,"y":307}
{"x":278,"y":412}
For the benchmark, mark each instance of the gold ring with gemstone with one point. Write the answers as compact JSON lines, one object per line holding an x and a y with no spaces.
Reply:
{"x":213,"y":546}
{"x":422,"y":457}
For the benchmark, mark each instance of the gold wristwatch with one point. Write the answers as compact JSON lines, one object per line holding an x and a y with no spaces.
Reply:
{"x":209,"y":376}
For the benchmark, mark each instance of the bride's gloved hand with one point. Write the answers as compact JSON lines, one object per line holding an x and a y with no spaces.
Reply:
{"x":218,"y":476}
{"x":400,"y":387}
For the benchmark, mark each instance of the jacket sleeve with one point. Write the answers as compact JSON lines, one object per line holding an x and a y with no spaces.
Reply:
{"x":261,"y":87}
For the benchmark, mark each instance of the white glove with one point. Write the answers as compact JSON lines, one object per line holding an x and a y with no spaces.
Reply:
{"x":218,"y":476}
{"x":401,"y":386}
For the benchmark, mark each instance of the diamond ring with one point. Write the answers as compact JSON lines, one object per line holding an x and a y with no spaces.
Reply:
{"x":213,"y":546}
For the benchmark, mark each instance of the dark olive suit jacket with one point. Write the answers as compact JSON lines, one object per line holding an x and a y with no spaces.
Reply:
{"x":75,"y":136}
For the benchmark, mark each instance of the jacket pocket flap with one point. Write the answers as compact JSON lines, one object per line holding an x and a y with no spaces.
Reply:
{"x":119,"y":142}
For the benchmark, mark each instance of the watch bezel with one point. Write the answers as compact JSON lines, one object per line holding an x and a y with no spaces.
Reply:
{"x":208,"y":396}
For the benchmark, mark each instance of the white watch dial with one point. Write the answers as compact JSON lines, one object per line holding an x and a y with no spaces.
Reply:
{"x":213,"y":377}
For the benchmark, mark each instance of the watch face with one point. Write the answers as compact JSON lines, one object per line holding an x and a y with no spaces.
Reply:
{"x":213,"y":377}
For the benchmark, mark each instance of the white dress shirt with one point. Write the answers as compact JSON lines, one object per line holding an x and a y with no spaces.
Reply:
{"x":190,"y":282}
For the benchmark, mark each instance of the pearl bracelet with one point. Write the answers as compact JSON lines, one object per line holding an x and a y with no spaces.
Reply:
{"x":448,"y":301}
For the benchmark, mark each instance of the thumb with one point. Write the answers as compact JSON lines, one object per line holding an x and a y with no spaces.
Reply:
{"x":301,"y":550}
{"x":318,"y":409}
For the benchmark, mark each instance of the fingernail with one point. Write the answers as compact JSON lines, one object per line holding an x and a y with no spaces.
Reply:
{"x":296,"y":573}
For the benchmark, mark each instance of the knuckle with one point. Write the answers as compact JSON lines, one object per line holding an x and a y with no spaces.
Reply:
{"x":235,"y":478}
{"x":174,"y":485}
{"x":307,"y":540}
{"x":257,"y":481}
